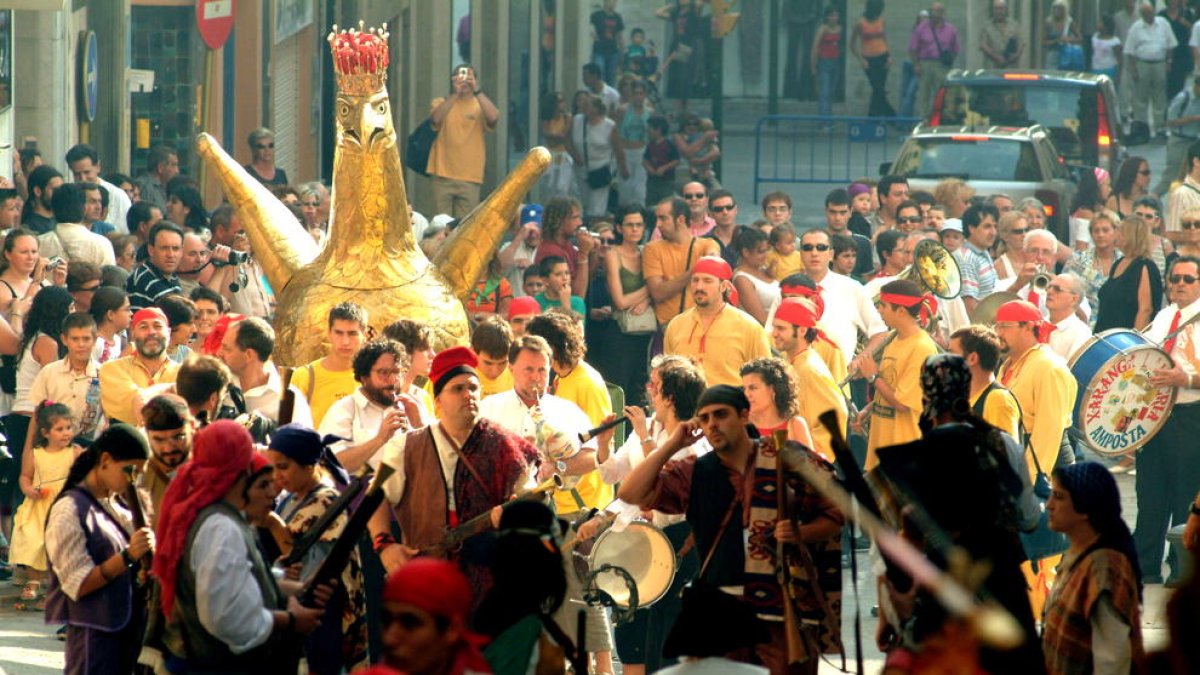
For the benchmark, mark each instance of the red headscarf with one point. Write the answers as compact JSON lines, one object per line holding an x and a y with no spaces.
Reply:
{"x":802,"y":313}
{"x":212,"y":343}
{"x":438,"y":587}
{"x":929,"y":304}
{"x":222,"y":453}
{"x":717,"y":267}
{"x":1022,"y":311}
{"x":813,"y":294}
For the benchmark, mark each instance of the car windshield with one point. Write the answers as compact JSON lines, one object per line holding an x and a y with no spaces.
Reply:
{"x":974,"y":158}
{"x":1067,"y":111}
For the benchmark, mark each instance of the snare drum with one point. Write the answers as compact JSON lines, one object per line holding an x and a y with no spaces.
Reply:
{"x":1117,"y":410}
{"x":642,"y":550}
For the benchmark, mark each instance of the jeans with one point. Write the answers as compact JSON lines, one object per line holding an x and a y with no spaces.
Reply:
{"x":877,"y":72}
{"x":827,"y":81}
{"x":608,"y":65}
{"x":908,"y":89}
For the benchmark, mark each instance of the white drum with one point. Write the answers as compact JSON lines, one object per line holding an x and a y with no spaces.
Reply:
{"x":642,"y":550}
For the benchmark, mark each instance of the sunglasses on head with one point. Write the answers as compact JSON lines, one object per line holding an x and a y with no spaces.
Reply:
{"x":818,"y":247}
{"x":694,"y":195}
{"x":1183,"y":279}
{"x":722,"y":209}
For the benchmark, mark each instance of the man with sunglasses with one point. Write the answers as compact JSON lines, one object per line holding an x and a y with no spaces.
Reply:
{"x":724,"y":212}
{"x":1063,"y":296}
{"x":1168,"y":468}
{"x":699,"y":221}
{"x":262,"y":162}
{"x":1186,"y":196}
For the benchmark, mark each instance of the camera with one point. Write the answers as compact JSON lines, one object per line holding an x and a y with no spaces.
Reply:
{"x":222,"y":256}
{"x":54,"y":263}
{"x":239,"y":257}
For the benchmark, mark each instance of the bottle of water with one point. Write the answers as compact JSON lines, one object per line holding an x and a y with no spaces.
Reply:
{"x":91,"y":410}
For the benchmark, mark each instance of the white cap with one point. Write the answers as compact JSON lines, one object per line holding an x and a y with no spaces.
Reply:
{"x":951,"y":224}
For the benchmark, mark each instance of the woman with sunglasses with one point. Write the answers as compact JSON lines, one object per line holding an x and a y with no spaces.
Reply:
{"x":1188,"y":238}
{"x":1095,"y":262}
{"x":93,"y":550}
{"x":1133,"y":181}
{"x":262,"y":163}
{"x":1010,"y":244}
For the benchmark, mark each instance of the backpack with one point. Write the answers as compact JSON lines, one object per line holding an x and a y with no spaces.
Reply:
{"x":420,"y":144}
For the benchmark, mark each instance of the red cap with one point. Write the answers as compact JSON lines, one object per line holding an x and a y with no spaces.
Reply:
{"x":523,"y":306}
{"x":714,"y":266}
{"x":449,"y":363}
{"x":148,"y":313}
{"x":800,"y":312}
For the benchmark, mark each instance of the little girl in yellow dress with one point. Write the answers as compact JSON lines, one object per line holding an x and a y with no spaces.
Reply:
{"x":43,"y":473}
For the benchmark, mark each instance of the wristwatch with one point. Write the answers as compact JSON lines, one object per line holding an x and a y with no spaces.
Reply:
{"x":871,"y":379}
{"x":561,"y":466}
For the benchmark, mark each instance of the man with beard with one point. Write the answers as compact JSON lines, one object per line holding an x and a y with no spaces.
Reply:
{"x":738,"y":478}
{"x":170,"y":428}
{"x":719,"y":336}
{"x":371,"y":415}
{"x":38,"y":214}
{"x":126,"y":383}
{"x":794,"y":331}
{"x":458,"y":467}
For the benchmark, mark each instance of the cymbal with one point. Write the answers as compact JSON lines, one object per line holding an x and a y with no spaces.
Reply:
{"x":985,"y":312}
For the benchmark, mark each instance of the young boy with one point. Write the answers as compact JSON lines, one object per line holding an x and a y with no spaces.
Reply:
{"x":635,"y":53}
{"x":533,"y":282}
{"x":845,"y":255}
{"x":660,"y":161}
{"x":783,"y":258}
{"x":491,"y":340}
{"x":558,"y":287}
{"x":951,"y":234}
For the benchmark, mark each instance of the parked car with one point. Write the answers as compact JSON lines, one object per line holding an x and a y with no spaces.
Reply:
{"x":1080,"y":110}
{"x":1020,"y":162}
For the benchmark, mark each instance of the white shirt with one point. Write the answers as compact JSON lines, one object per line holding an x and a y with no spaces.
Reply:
{"x":1069,"y":335}
{"x":1024,"y":291}
{"x":626,"y":458}
{"x":1150,"y":41}
{"x":118,"y":206}
{"x":76,"y":243}
{"x":1182,"y":199}
{"x":264,"y":399}
{"x":1185,"y":349}
{"x":66,"y":543}
{"x":849,"y":308}
{"x":516,"y":275}
{"x":507,"y":410}
{"x":228,"y":599}
{"x":392,"y":454}
{"x":713,"y":665}
{"x":356,"y":418}
{"x":611,"y":98}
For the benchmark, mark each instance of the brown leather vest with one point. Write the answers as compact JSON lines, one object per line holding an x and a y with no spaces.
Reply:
{"x":422,"y":510}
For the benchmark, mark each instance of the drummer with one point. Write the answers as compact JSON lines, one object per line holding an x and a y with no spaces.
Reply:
{"x":1168,"y":467}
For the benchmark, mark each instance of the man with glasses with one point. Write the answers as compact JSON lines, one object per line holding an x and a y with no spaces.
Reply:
{"x":1040,"y":247}
{"x":724,"y":212}
{"x":975,"y":265}
{"x":699,"y":221}
{"x":777,"y":208}
{"x":1168,"y":468}
{"x":1063,"y":296}
{"x":170,"y":429}
{"x":1186,"y":196}
{"x":262,"y":162}
{"x":848,"y":306}
{"x":376,"y":411}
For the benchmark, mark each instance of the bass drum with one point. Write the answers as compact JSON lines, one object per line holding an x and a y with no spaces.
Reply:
{"x":1117,"y":410}
{"x":643,"y":551}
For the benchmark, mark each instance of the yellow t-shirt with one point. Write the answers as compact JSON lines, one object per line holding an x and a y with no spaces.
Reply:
{"x":834,"y":358}
{"x":496,"y":386}
{"x":1001,"y":411}
{"x":1045,"y":388}
{"x":121,"y":378}
{"x":900,"y":367}
{"x":818,"y":393}
{"x":733,"y":338}
{"x":325,"y":388}
{"x":584,"y":386}
{"x":458,"y":152}
{"x":668,"y":260}
{"x":780,"y":266}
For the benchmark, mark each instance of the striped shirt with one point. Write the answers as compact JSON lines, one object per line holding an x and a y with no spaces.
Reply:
{"x":977,"y":270}
{"x":147,"y":285}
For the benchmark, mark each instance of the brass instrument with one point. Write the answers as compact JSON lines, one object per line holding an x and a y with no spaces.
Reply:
{"x":544,"y":489}
{"x":1041,"y":280}
{"x":985,"y":312}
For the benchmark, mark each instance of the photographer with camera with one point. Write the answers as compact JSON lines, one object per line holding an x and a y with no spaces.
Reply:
{"x":238,"y":276}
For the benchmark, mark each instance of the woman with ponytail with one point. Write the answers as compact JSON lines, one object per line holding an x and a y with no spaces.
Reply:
{"x":93,"y":550}
{"x":1092,"y":623}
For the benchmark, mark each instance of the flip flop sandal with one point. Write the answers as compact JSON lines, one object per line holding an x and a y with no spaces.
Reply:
{"x":32,"y":591}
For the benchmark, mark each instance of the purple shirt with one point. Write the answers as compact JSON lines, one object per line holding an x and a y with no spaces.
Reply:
{"x":922,"y":40}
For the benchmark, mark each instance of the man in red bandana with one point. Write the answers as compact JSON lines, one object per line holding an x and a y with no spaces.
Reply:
{"x":127,"y":383}
{"x":798,"y":285}
{"x":450,"y":471}
{"x":1039,"y":379}
{"x":425,"y":608}
{"x":896,"y":409}
{"x":794,"y":332}
{"x":719,"y":336}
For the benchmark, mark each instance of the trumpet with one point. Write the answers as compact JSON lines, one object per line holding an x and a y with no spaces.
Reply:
{"x":546,"y":487}
{"x":1041,"y":280}
{"x":554,"y":444}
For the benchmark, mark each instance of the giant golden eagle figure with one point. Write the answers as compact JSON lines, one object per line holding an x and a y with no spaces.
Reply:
{"x":370,"y":257}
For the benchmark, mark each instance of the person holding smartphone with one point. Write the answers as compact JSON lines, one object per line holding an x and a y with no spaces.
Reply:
{"x":458,"y":156}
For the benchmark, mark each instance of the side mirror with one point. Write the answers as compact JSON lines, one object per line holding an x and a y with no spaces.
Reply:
{"x":885,"y":168}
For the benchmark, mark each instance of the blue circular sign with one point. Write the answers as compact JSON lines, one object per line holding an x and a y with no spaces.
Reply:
{"x":89,"y":77}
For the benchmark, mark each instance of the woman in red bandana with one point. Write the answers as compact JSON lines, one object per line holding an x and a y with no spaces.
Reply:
{"x":424,"y":619}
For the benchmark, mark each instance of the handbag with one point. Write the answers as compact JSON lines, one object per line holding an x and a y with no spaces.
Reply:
{"x":419,"y":146}
{"x":1042,"y":542}
{"x":635,"y":324}
{"x":1070,"y":57}
{"x":596,"y":178}
{"x":944,"y":55}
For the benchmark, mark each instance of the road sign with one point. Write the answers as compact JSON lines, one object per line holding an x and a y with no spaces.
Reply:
{"x":214,"y":19}
{"x":89,"y":85}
